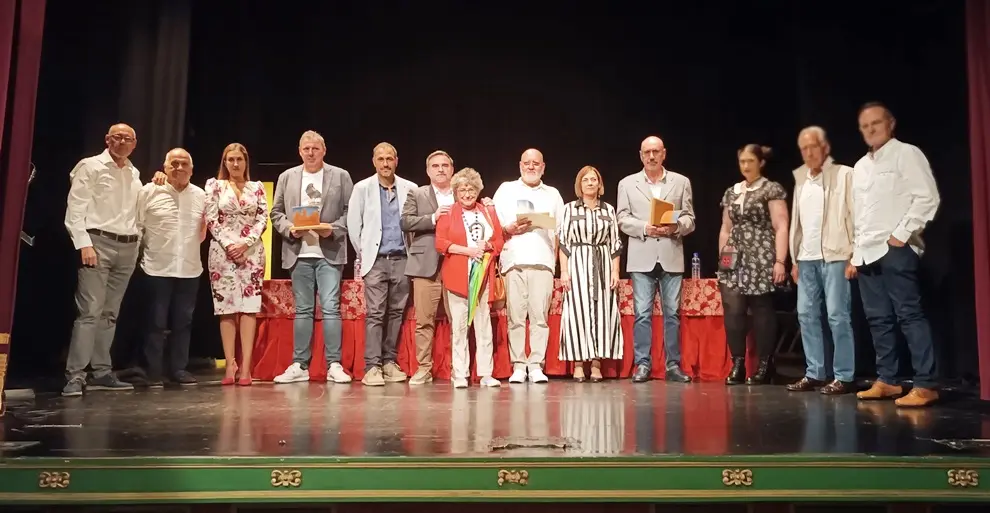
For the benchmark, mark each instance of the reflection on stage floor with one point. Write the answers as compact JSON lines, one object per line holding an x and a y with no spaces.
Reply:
{"x":562,"y":418}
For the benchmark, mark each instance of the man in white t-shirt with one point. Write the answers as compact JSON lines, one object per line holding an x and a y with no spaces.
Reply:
{"x":528,"y":262}
{"x":172,"y":228}
{"x":316,"y":257}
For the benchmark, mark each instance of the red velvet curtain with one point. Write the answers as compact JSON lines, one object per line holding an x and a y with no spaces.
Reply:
{"x":978,"y":64}
{"x":21,"y":25}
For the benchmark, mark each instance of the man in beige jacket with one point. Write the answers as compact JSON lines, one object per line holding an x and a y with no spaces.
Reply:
{"x":821,"y":244}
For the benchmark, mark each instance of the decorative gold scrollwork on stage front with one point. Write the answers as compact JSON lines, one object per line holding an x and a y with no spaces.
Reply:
{"x":54,"y":480}
{"x":519,"y":477}
{"x":963,"y":478}
{"x":737,"y":477}
{"x":286,"y":478}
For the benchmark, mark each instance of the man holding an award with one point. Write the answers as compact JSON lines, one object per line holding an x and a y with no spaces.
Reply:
{"x":310,"y":213}
{"x":656,"y":210}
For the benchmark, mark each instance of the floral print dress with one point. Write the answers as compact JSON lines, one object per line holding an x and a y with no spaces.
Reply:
{"x":232,"y":220}
{"x":752,"y":236}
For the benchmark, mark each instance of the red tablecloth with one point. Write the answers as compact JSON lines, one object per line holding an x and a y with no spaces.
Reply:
{"x":704,"y":354}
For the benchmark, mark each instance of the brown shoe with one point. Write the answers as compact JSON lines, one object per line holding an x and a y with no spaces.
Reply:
{"x":880,"y":390}
{"x":918,"y":398}
{"x":839,"y":388}
{"x":806,"y":384}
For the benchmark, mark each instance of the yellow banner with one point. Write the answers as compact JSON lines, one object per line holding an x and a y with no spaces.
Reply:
{"x":266,"y":238}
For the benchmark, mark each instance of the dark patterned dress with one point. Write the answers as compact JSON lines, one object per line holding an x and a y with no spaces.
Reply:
{"x":753,"y":237}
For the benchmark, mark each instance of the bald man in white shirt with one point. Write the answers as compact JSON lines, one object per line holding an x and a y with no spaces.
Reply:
{"x":101,"y":218}
{"x":894,"y":197}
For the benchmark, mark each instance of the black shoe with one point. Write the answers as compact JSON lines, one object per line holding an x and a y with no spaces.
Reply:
{"x":737,"y":376}
{"x":677,"y":375}
{"x":764,"y":373}
{"x":642,"y":374}
{"x":806,"y":384}
{"x":184,"y":378}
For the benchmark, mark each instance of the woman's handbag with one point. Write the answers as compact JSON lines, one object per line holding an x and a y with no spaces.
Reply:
{"x":498,"y":283}
{"x":728,"y":259}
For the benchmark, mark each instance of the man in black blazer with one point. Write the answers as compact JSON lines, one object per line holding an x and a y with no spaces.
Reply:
{"x":419,"y":219}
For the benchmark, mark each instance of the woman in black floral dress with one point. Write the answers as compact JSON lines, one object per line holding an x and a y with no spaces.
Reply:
{"x":754,"y":225}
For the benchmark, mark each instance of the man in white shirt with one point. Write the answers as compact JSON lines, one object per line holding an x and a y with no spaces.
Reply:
{"x":821,"y":246}
{"x":101,"y":218}
{"x":894,"y":197}
{"x":424,"y":205}
{"x":172,"y":226}
{"x":528,"y":262}
{"x":316,"y":257}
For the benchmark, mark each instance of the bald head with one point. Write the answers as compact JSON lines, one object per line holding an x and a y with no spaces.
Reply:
{"x":531,"y":167}
{"x":652,"y":153}
{"x":178,"y":167}
{"x":120,"y":140}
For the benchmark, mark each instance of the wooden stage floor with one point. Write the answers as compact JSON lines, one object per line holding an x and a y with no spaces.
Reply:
{"x":563,"y":441}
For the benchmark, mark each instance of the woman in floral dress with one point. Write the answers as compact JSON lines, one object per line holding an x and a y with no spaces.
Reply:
{"x":237,"y":215}
{"x":754,"y":224}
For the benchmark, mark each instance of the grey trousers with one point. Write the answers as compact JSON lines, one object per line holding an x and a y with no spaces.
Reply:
{"x":386,"y":292}
{"x":99,"y":291}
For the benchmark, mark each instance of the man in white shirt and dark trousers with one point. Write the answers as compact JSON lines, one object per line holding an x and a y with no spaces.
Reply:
{"x":101,"y":218}
{"x":170,"y":220}
{"x":316,"y":257}
{"x":821,"y":246}
{"x":528,"y":262}
{"x":895,"y":196}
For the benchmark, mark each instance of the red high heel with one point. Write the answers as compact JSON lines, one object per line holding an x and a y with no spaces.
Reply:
{"x":244,"y":381}
{"x":229,"y":380}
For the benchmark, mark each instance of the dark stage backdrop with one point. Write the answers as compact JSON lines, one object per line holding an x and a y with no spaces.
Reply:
{"x":487,"y":82}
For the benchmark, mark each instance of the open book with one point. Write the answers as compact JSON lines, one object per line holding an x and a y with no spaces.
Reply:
{"x":662,"y":212}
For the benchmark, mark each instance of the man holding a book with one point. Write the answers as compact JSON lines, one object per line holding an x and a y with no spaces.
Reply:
{"x":656,"y":211}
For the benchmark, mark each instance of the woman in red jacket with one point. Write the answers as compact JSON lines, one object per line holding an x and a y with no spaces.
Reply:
{"x":463,"y":236}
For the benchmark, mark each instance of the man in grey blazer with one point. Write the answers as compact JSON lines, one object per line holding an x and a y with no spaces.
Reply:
{"x":374,"y":227}
{"x":316,"y":257}
{"x":656,"y":255}
{"x":424,"y":205}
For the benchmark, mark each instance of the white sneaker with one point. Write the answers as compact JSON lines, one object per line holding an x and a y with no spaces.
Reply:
{"x":536,"y":375}
{"x":336,"y":374}
{"x":489,"y":381}
{"x":518,"y":376}
{"x":294,"y":374}
{"x":460,"y":383}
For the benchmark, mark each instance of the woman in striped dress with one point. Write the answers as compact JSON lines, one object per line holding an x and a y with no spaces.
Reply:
{"x":589,"y":263}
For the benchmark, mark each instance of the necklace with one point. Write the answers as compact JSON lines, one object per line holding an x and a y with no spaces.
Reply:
{"x":475,"y":228}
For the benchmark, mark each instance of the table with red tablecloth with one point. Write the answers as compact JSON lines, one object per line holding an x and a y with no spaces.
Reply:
{"x":704,"y":354}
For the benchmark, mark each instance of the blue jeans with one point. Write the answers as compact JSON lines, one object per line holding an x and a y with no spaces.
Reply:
{"x":309,"y":276}
{"x":824,"y":295}
{"x":891,"y":296}
{"x":644,"y":292}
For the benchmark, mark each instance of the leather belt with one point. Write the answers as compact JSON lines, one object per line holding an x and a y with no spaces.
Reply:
{"x":113,"y":236}
{"x":392,"y":256}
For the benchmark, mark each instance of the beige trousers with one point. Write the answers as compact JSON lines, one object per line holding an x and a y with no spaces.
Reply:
{"x":484,"y":347}
{"x":528,"y":292}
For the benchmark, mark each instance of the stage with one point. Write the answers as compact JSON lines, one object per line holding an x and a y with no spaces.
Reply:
{"x":614,"y":441}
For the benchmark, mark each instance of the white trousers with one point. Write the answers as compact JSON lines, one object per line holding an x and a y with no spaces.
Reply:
{"x":484,"y":346}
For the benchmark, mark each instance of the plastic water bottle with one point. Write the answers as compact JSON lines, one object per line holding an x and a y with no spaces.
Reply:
{"x":695,"y":267}
{"x":357,"y":268}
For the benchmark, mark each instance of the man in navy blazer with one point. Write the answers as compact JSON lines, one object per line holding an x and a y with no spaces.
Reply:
{"x":316,"y":257}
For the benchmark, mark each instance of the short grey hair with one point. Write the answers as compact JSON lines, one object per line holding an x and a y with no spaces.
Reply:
{"x":312,"y":135}
{"x":469,"y":177}
{"x":818,"y":131}
{"x":175,"y":152}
